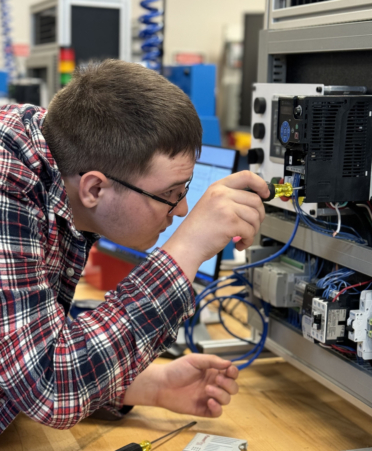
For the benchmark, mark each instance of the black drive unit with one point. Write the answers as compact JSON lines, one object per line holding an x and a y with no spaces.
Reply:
{"x":329,"y":141}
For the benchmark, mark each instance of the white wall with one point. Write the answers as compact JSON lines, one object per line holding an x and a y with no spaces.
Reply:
{"x":197,"y":25}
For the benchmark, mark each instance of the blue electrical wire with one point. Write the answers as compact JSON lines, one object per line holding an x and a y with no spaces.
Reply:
{"x":320,"y":270}
{"x":274,"y":256}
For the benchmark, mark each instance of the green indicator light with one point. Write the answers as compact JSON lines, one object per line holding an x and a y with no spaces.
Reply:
{"x":296,"y":126}
{"x":65,"y":78}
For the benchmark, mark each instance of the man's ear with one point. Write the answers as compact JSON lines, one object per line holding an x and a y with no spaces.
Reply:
{"x":92,"y":188}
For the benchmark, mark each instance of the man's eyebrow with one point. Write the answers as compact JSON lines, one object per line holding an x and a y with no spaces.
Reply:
{"x":176,"y":184}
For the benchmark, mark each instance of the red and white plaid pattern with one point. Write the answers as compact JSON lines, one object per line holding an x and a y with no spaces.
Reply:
{"x":56,"y":371}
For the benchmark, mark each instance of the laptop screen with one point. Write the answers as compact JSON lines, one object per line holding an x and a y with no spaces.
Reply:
{"x":214,"y":164}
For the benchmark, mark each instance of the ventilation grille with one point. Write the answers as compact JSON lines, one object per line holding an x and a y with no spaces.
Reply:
{"x":355,"y":158}
{"x":279,"y":69}
{"x":45,"y":27}
{"x":306,"y":2}
{"x":324,"y":115}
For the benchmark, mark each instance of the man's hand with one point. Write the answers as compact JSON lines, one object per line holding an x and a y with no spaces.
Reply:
{"x":224,"y":211}
{"x":196,"y":384}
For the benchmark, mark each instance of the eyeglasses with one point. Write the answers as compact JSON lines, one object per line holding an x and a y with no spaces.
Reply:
{"x":153,"y":196}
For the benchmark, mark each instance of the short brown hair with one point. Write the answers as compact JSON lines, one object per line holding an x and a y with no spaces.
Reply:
{"x":114,"y":116}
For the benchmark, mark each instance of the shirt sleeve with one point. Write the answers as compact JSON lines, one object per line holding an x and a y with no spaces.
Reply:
{"x":58,"y":372}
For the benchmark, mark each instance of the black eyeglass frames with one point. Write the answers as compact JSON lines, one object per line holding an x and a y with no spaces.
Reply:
{"x":153,"y":196}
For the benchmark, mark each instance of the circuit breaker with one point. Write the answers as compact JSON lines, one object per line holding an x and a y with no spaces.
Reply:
{"x":359,"y":326}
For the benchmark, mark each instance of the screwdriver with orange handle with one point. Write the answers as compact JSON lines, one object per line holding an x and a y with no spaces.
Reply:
{"x":146,"y":445}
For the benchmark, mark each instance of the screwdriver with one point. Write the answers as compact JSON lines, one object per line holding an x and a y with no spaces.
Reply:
{"x":146,"y":445}
{"x":281,"y":190}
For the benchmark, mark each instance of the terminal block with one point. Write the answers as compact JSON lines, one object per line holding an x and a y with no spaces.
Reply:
{"x":359,"y":326}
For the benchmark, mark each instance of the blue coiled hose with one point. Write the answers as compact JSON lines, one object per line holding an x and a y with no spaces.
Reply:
{"x":7,"y":40}
{"x":152,"y":46}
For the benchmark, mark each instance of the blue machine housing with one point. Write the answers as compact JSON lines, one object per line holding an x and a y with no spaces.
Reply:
{"x":199,"y":83}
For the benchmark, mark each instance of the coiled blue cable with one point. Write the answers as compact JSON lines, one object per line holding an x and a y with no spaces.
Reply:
{"x":7,"y":39}
{"x":152,"y":46}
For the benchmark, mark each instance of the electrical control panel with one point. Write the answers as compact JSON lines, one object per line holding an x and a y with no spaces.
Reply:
{"x":267,"y":153}
{"x":328,"y":140}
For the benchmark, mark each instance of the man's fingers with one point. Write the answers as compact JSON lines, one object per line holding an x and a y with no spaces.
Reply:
{"x":250,"y":200}
{"x":244,"y":244}
{"x":250,"y":217}
{"x":228,"y":384}
{"x":207,"y":361}
{"x":232,"y":372}
{"x":246,"y":179}
{"x":218,"y":394}
{"x":214,"y":407}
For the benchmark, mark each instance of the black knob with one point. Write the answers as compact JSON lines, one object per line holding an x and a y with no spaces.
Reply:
{"x":259,"y":105}
{"x":256,"y":156}
{"x":259,"y":131}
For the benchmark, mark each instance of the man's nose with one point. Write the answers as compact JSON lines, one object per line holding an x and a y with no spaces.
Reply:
{"x":182,"y":209}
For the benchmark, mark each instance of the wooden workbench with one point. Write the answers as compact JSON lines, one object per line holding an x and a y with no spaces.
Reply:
{"x":278,"y":408}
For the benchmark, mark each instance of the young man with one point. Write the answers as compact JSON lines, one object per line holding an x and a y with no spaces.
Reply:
{"x":85,"y":168}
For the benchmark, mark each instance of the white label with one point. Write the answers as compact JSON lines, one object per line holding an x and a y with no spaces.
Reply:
{"x":306,"y":328}
{"x":334,"y":329}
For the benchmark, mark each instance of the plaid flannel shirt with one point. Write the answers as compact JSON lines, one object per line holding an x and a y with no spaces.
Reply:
{"x":54,"y":370}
